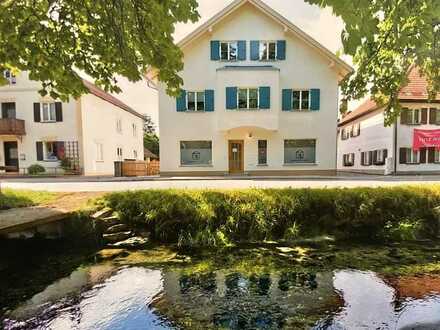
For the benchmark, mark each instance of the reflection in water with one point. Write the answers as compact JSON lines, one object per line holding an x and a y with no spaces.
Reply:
{"x":107,"y":296}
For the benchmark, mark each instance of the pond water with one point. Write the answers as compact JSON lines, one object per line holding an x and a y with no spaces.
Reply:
{"x":253,"y":288}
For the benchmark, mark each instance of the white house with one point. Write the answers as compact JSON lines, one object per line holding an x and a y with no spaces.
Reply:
{"x":365,"y":145}
{"x":87,"y":134}
{"x":260,"y":97}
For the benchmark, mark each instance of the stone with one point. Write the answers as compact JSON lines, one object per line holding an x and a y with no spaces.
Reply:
{"x":132,"y":243}
{"x":110,"y":254}
{"x":116,"y":237}
{"x":107,"y":222}
{"x":117,"y":228}
{"x":105,"y":212}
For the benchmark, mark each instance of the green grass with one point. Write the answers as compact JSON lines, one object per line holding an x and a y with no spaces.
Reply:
{"x":222,"y":218}
{"x":10,"y":198}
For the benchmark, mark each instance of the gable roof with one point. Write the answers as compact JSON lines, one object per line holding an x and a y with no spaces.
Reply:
{"x":98,"y":92}
{"x":415,"y":90}
{"x":149,"y":154}
{"x":288,"y":26}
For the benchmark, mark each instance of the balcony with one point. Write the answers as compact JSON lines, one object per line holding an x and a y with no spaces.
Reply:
{"x":10,"y":126}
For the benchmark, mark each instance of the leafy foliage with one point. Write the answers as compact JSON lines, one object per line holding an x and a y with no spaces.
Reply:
{"x":219,"y":218}
{"x":53,"y":39}
{"x":22,"y":198}
{"x":385,"y":39}
{"x":36,"y":169}
{"x":151,"y":142}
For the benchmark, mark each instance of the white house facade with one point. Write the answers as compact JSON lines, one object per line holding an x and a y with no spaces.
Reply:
{"x":366,"y":145}
{"x":83,"y":136}
{"x":260,"y":97}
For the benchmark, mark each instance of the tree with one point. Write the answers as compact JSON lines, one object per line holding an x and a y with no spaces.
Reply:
{"x":53,"y":39}
{"x":151,"y":140}
{"x":386,"y":38}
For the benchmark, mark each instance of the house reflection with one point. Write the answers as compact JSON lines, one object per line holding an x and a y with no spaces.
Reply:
{"x":235,"y":300}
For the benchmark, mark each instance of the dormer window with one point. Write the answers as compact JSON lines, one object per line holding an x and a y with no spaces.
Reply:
{"x":10,"y":77}
{"x":268,"y":50}
{"x":228,"y":50}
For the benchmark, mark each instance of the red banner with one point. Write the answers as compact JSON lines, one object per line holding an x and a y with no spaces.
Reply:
{"x":426,"y":138}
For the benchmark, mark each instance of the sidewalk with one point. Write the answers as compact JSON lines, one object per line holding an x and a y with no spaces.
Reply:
{"x":107,"y":184}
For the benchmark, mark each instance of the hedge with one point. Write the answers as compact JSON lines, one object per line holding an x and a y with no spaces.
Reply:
{"x":217,"y":218}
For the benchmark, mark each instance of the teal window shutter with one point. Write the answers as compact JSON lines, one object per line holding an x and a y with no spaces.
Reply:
{"x":209,"y":100}
{"x":315,"y":99}
{"x":264,"y":97}
{"x":255,"y":50}
{"x":181,"y":101}
{"x":281,"y":50}
{"x":287,"y":100}
{"x":231,"y":98}
{"x":242,"y":50}
{"x":215,"y":50}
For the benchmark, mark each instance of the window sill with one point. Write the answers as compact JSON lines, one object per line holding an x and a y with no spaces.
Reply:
{"x":300,"y":164}
{"x":298,"y":110}
{"x":50,"y":160}
{"x":201,"y":165}
{"x":246,"y":110}
{"x":195,"y":111}
{"x":99,"y":161}
{"x":48,"y":121}
{"x":262,"y":165}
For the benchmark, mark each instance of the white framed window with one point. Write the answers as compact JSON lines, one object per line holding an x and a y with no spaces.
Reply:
{"x":134,"y":129}
{"x":119,"y":153}
{"x":195,"y":153}
{"x":268,"y":50}
{"x":379,"y":156}
{"x":228,"y":50}
{"x":48,"y":112}
{"x":301,"y":100}
{"x":99,"y":152}
{"x":414,"y":116}
{"x":195,"y":101}
{"x":248,"y":98}
{"x":348,"y":159}
{"x":355,"y":130}
{"x":10,"y":77}
{"x":262,"y":152}
{"x":299,"y":151}
{"x":119,"y":125}
{"x":51,"y":152}
{"x":437,"y":156}
{"x":412,"y":156}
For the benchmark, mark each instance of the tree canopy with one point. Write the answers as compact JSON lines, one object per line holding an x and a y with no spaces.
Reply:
{"x":386,"y":38}
{"x":54,"y":39}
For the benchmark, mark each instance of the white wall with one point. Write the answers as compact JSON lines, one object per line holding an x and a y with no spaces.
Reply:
{"x":25,"y":93}
{"x":98,"y":119}
{"x":304,"y":68}
{"x":373,"y":136}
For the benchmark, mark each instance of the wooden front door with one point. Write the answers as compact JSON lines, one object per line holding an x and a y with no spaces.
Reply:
{"x":11,"y":156}
{"x":236,"y":156}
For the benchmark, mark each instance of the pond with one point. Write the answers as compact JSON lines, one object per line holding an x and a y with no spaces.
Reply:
{"x":254,"y":287}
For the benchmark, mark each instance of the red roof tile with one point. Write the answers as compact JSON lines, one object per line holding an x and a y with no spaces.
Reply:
{"x":366,"y":107}
{"x":414,"y":91}
{"x":417,"y":88}
{"x":98,"y":92}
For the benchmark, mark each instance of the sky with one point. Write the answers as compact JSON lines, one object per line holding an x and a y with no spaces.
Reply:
{"x":319,"y":23}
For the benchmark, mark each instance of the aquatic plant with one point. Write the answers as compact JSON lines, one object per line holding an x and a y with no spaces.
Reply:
{"x":219,"y":218}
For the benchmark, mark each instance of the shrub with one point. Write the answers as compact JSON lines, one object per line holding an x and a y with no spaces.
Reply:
{"x":216,"y":218}
{"x":36,"y":169}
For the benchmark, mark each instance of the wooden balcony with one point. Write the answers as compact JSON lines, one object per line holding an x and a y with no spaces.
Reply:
{"x":9,"y":126}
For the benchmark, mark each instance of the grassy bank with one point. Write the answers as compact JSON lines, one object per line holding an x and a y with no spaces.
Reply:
{"x":219,"y":218}
{"x":23,"y":198}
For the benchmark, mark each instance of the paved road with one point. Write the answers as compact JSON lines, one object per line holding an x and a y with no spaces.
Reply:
{"x":113,"y":184}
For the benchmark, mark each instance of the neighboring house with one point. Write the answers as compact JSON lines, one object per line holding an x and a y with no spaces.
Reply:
{"x":149,"y":156}
{"x":259,"y":97}
{"x":87,"y":134}
{"x":365,"y":145}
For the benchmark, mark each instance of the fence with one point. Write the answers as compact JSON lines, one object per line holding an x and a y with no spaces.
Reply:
{"x":140,"y":168}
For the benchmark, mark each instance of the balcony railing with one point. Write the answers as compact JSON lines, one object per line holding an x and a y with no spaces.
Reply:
{"x":9,"y":126}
